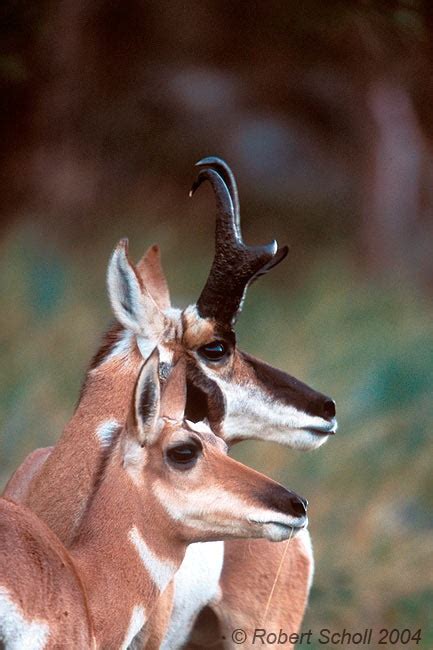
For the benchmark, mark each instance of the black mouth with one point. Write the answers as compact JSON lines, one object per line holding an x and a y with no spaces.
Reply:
{"x":322,"y":432}
{"x":303,"y":523}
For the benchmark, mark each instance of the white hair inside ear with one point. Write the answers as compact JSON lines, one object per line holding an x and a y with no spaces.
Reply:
{"x":132,"y":305}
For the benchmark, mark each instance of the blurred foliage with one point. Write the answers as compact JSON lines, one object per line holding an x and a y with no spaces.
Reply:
{"x":324,"y":111}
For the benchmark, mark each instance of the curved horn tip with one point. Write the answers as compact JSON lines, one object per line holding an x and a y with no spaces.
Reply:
{"x":212,"y":176}
{"x":272,"y":247}
{"x":195,"y":186}
{"x":210,"y":160}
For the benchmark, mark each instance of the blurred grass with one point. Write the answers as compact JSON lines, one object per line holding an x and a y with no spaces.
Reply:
{"x":367,"y":344}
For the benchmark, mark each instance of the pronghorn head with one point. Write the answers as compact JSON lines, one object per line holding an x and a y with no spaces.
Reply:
{"x":204,"y":494}
{"x":240,"y":396}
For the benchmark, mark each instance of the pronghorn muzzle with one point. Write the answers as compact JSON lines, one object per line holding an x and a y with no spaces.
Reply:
{"x":287,"y":502}
{"x":285,"y":512}
{"x":285,"y":389}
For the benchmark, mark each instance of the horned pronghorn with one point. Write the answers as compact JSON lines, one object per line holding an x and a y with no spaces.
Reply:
{"x":165,"y":483}
{"x":240,"y":396}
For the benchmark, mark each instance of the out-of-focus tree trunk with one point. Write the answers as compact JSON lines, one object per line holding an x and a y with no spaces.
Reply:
{"x":393,"y":179}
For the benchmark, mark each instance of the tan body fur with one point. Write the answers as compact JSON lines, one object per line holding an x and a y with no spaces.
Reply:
{"x":129,"y":544}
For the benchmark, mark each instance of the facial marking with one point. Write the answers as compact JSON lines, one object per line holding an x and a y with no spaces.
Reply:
{"x":16,"y":630}
{"x":160,"y":572}
{"x":251,"y":413}
{"x":106,"y":431}
{"x":197,"y":331}
{"x":138,"y":619}
{"x":226,"y":511}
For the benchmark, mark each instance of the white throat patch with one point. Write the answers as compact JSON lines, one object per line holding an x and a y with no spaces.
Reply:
{"x":196,"y":584}
{"x":160,"y":572}
{"x":138,"y":619}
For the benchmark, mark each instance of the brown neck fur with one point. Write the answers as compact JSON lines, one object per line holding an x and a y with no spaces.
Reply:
{"x":107,"y":394}
{"x":103,"y":552}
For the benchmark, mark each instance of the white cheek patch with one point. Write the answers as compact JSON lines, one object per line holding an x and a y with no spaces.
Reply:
{"x":160,"y":572}
{"x":196,"y":584}
{"x":252,"y":414}
{"x":138,"y":619}
{"x":17,"y":632}
{"x":105,"y":432}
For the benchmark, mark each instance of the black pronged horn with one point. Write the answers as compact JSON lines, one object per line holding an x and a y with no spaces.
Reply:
{"x":235,"y":264}
{"x":228,"y":177}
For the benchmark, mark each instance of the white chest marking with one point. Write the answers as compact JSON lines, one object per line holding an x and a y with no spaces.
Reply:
{"x":305,"y":537}
{"x":196,"y":584}
{"x":106,"y":430}
{"x":161,"y":572}
{"x":16,"y":632}
{"x":138,"y":618}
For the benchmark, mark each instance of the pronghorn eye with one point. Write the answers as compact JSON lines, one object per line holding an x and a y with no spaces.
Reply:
{"x":214,"y":351}
{"x":184,"y":454}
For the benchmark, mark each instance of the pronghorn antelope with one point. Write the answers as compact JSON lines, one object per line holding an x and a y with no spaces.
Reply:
{"x":239,"y":395}
{"x":165,"y":483}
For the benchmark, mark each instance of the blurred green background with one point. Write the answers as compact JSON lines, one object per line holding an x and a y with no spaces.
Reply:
{"x":324,"y":112}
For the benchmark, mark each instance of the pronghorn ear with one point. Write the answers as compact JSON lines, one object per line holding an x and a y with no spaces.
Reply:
{"x":146,"y":402}
{"x":173,"y":399}
{"x":150,"y":271}
{"x":132,"y":304}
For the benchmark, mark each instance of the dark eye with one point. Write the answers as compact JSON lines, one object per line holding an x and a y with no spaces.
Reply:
{"x":184,"y":454}
{"x":214,"y":351}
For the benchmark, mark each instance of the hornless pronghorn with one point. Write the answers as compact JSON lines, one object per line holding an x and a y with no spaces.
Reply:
{"x":240,"y":396}
{"x":165,"y":483}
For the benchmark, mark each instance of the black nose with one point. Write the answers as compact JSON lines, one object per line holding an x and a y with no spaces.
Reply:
{"x":282,"y":500}
{"x":299,"y":505}
{"x":328,"y":408}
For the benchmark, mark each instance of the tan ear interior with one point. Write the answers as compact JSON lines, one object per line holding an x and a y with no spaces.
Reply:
{"x":150,"y":270}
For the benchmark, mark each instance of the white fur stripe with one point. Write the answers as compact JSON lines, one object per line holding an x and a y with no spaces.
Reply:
{"x":138,"y":619}
{"x":106,"y":430}
{"x":16,"y":632}
{"x":196,"y":584}
{"x":161,"y":572}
